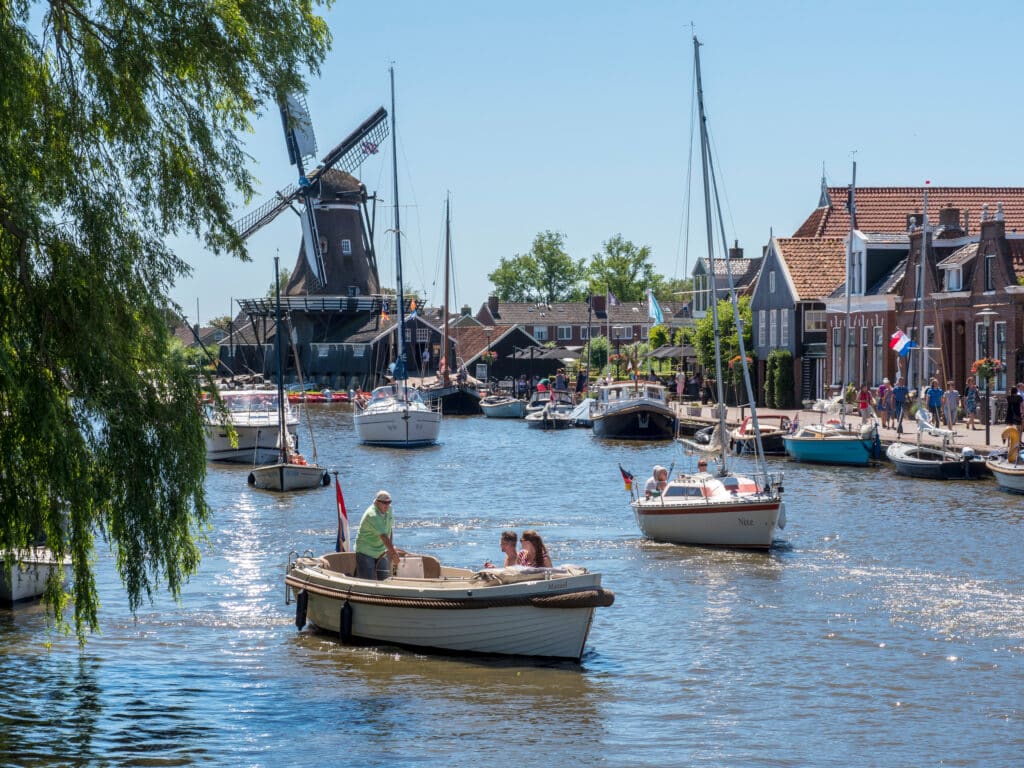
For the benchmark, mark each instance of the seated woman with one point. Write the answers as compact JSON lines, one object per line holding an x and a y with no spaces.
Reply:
{"x":533,"y":553}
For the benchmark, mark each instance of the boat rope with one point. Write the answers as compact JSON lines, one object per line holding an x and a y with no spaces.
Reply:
{"x":589,"y":598}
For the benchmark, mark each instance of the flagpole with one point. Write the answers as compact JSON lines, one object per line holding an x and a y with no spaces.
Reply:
{"x":920,"y":292}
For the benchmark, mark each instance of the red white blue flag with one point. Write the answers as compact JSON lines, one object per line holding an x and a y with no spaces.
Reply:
{"x":342,"y":544}
{"x":901,"y":343}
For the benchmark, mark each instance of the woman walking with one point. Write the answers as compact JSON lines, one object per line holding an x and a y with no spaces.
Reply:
{"x":970,"y":402}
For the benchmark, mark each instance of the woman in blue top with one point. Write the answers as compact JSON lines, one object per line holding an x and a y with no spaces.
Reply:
{"x":970,"y":401}
{"x":933,"y":397}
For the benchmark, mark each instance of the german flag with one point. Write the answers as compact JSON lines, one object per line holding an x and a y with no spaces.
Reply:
{"x":627,"y":478}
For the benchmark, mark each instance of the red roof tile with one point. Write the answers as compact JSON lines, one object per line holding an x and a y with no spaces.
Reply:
{"x":817,"y":265}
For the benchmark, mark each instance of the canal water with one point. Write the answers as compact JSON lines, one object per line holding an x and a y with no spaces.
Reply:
{"x":885,"y":628}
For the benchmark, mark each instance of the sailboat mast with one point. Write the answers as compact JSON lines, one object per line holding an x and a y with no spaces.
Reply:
{"x":852,"y":205}
{"x":282,"y":428}
{"x":447,"y":262}
{"x":400,"y":364}
{"x":921,"y":346}
{"x":705,"y":160}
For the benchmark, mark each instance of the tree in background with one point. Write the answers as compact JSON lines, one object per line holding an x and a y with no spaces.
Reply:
{"x":597,"y":348}
{"x":284,"y":275}
{"x":120,"y":130}
{"x":624,"y":269}
{"x":659,"y":336}
{"x":545,"y":274}
{"x":704,"y":334}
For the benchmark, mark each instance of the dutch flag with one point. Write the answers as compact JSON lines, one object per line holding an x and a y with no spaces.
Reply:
{"x":901,"y":343}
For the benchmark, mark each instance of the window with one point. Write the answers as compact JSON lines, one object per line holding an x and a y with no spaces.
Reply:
{"x":644,"y":332}
{"x":540,"y":332}
{"x":584,"y":332}
{"x":565,"y":333}
{"x":990,"y":278}
{"x":773,"y":327}
{"x":422,"y":335}
{"x":346,"y":247}
{"x":626,"y":332}
{"x":878,"y":355}
{"x":762,"y":326}
{"x":771,"y":281}
{"x":784,"y":328}
{"x":815,"y":320}
{"x":857,"y":273}
{"x":954,"y":279}
{"x":408,"y":335}
{"x":999,"y":329}
{"x":700,"y":296}
{"x":837,"y":355}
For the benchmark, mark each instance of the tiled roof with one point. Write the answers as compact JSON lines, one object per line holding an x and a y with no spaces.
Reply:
{"x":816,"y":265}
{"x":885,"y":209}
{"x":960,"y":256}
{"x":743,"y":270}
{"x":886,"y":238}
{"x":575,"y":313}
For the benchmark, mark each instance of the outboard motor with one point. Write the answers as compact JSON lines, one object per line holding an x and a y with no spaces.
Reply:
{"x":968,"y":453}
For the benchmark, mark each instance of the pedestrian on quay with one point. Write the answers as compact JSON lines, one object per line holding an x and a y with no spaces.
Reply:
{"x":884,"y":402}
{"x":970,"y":402}
{"x":899,"y":402}
{"x":950,"y":404}
{"x":933,"y":400}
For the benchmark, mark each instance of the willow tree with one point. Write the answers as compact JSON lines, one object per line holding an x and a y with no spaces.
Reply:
{"x":119,"y":128}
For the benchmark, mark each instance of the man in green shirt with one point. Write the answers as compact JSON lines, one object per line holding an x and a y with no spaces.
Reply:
{"x":373,"y":541}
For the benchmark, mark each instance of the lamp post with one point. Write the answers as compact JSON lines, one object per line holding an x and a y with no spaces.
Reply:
{"x":986,"y":316}
{"x":618,"y":341}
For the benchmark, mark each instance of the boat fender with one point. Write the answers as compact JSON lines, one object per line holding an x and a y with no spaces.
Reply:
{"x":252,"y":479}
{"x":782,"y":516}
{"x":301,"y":603}
{"x":326,"y":479}
{"x":345,"y":625}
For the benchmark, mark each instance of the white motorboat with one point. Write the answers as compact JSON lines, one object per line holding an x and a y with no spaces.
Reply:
{"x":290,"y":470}
{"x":633,"y":410}
{"x":254,"y":414}
{"x":556,"y":414}
{"x":26,"y":577}
{"x":709,"y":510}
{"x":503,"y":407}
{"x":511,"y":611}
{"x":1008,"y":469}
{"x":933,"y":462}
{"x":396,"y":416}
{"x":724,"y":509}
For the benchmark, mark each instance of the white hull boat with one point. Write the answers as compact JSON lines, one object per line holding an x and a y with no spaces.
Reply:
{"x":26,"y":578}
{"x":288,"y":477}
{"x":503,"y":407}
{"x":705,"y":510}
{"x":544,"y":612}
{"x":397,"y":417}
{"x":1007,"y":466}
{"x":253,"y":413}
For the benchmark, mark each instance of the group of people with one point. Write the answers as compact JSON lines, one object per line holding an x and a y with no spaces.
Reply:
{"x":658,"y":480}
{"x":943,"y":404}
{"x":376,"y":552}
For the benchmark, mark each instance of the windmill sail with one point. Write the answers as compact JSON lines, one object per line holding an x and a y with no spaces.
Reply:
{"x":298,"y":127}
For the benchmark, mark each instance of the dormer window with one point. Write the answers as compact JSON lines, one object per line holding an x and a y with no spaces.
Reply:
{"x":990,"y":277}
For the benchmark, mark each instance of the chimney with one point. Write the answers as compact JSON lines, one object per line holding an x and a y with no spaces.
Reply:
{"x":599,"y":303}
{"x":466,"y":309}
{"x":736,"y":252}
{"x":949,"y":217}
{"x":992,"y":228}
{"x":913,"y":221}
{"x":492,"y":306}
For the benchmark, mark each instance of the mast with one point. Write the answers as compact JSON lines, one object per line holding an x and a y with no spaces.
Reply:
{"x":400,"y":372}
{"x":710,"y":235}
{"x":282,"y":429}
{"x":851,"y":203}
{"x":921,"y":346}
{"x":447,"y":261}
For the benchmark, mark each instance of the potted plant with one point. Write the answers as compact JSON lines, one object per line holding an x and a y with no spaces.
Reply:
{"x":985,"y":368}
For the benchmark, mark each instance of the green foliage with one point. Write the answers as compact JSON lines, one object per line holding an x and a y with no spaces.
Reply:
{"x":284,"y":274}
{"x":119,"y":131}
{"x":545,"y":274}
{"x":779,"y":379}
{"x":703,"y":335}
{"x":597,"y":348}
{"x":223,"y":322}
{"x":624,"y":269}
{"x":659,"y":336}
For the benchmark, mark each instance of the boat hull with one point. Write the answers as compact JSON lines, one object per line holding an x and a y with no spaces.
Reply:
{"x":456,"y":615}
{"x":934,"y":464}
{"x":773,"y":444}
{"x":26,"y":579}
{"x":635,"y":423}
{"x":741,"y":525}
{"x":398,"y":429}
{"x":505,"y":409}
{"x":256,"y":444}
{"x":288,"y":477}
{"x":850,"y":451}
{"x":455,"y":400}
{"x":1009,"y":476}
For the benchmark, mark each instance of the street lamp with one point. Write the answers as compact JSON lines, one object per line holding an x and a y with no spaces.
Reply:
{"x":986,"y":316}
{"x":618,"y":341}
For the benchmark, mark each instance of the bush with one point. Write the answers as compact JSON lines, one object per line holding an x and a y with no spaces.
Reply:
{"x":779,"y":379}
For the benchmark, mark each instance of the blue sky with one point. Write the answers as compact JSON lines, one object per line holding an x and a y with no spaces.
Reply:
{"x":575,"y":117}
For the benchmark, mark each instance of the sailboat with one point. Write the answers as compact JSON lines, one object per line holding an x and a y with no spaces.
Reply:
{"x":396,"y":415}
{"x":721,"y":508}
{"x":826,"y":442}
{"x":457,"y":397}
{"x":290,"y":472}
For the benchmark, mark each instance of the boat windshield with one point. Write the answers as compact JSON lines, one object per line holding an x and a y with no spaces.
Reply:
{"x":394,"y":392}
{"x":240,"y":402}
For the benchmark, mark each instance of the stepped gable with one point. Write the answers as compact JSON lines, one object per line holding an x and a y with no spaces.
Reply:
{"x":885,"y":209}
{"x":816,"y":265}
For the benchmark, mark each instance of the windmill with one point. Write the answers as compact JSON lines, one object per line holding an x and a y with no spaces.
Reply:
{"x":336,"y":256}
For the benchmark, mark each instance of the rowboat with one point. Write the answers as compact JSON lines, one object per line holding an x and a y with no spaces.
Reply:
{"x":503,"y":407}
{"x":519,"y":611}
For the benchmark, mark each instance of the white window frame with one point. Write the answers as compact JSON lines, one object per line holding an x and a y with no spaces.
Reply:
{"x":878,"y":354}
{"x":540,"y":332}
{"x":990,"y":275}
{"x":815,"y":320}
{"x":784,"y":328}
{"x":564,"y":333}
{"x":954,"y":279}
{"x":422,"y":334}
{"x":762,"y":326}
{"x":999,"y":353}
{"x":627,"y":332}
{"x":773,"y":328}
{"x":771,"y":281}
{"x":346,"y":247}
{"x":584,"y":333}
{"x":930,"y":364}
{"x":837,"y":354}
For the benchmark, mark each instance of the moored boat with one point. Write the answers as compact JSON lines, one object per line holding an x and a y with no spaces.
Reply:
{"x":555,"y":414}
{"x":544,"y":612}
{"x":742,"y":439}
{"x":28,"y":574}
{"x":503,"y":407}
{"x":1008,"y":469}
{"x":633,"y":410}
{"x":834,"y":444}
{"x":933,"y":462}
{"x":254,"y":415}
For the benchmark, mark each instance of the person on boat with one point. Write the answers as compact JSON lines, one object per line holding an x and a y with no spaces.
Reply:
{"x":933,"y":399}
{"x":536,"y":554}
{"x":656,"y":482}
{"x":702,"y":465}
{"x":884,"y":402}
{"x":899,"y":401}
{"x":970,"y":402}
{"x":374,"y":545}
{"x":508,"y":546}
{"x":950,"y":404}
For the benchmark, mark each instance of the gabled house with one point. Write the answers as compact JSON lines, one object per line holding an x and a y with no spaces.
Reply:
{"x":744,"y":275}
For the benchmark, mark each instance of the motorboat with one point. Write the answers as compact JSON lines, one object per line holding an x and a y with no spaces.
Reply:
{"x":540,"y":399}
{"x":503,"y":407}
{"x":724,"y":509}
{"x":556,"y":414}
{"x":713,"y":510}
{"x":936,"y":462}
{"x":633,"y":410}
{"x":545,"y":612}
{"x":582,"y":414}
{"x":1007,"y":467}
{"x":828,"y":443}
{"x":396,"y":416}
{"x":27,"y":576}
{"x":290,"y":471}
{"x":704,"y":440}
{"x":772,"y":428}
{"x":255,"y":416}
